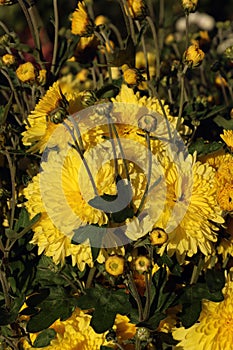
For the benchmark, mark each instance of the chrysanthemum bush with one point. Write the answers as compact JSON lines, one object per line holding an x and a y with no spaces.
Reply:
{"x":116,"y":181}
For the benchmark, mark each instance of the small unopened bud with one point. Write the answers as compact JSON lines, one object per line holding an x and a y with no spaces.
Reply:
{"x":158,"y":236}
{"x":132,"y":76}
{"x":8,"y":59}
{"x":193,"y":56}
{"x":104,"y":109}
{"x":114,"y":265}
{"x":143,"y":333}
{"x":147,"y":122}
{"x":88,"y":98}
{"x":142,"y":264}
{"x":229,"y":52}
{"x":189,"y":5}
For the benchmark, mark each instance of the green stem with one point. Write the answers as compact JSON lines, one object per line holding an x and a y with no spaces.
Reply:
{"x":21,"y":108}
{"x":144,"y":51}
{"x":117,"y":34}
{"x":5,"y":288}
{"x":130,"y":21}
{"x":186,"y":30}
{"x":137,"y":344}
{"x":182,"y":80}
{"x":77,"y":147}
{"x":146,"y":311}
{"x":13,"y":190}
{"x":148,"y":174}
{"x":156,"y":43}
{"x":134,"y":291}
{"x":90,"y":277}
{"x":122,"y":152}
{"x":56,"y":28}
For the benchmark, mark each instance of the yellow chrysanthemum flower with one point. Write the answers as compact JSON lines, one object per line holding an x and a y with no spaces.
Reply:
{"x":26,"y":72}
{"x":40,"y":126}
{"x":61,"y":193}
{"x":81,"y":23}
{"x":227,"y":137}
{"x":214,"y":328}
{"x":191,"y":211}
{"x":72,"y":334}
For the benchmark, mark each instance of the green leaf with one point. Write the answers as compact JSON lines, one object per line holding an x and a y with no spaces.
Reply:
{"x":106,"y":304}
{"x":190,"y":313}
{"x":9,"y":316}
{"x":153,"y":322}
{"x":215,"y":280}
{"x":203,"y":147}
{"x":22,"y":221}
{"x":37,"y":298}
{"x":44,"y":338}
{"x":59,"y":304}
{"x":224,"y":123}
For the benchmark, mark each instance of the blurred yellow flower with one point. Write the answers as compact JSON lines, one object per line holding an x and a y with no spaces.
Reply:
{"x":123,"y":328}
{"x":114,"y":265}
{"x":81,"y":24}
{"x":220,"y":81}
{"x":213,"y":331}
{"x":137,"y":9}
{"x":193,"y":56}
{"x":72,"y":334}
{"x":227,"y":137}
{"x":26,"y":72}
{"x":8,"y":59}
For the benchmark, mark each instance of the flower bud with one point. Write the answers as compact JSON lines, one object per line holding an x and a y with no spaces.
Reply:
{"x":132,"y":76}
{"x":114,"y":265}
{"x":147,"y":122}
{"x":193,"y":56}
{"x":142,"y":264}
{"x":158,"y":236}
{"x":143,"y":333}
{"x":88,"y":98}
{"x":189,"y":5}
{"x":42,"y":76}
{"x":8,"y":59}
